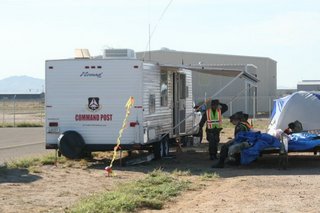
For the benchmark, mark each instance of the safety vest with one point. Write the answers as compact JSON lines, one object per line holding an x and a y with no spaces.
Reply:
{"x":214,"y":120}
{"x":246,"y":125}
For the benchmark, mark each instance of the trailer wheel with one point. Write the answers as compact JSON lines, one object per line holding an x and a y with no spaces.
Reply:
{"x":71,"y":144}
{"x":158,"y":150}
{"x":165,"y":146}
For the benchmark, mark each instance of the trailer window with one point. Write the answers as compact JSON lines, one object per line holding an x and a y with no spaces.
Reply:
{"x":163,"y":88}
{"x":183,"y":87}
{"x":152,"y":103}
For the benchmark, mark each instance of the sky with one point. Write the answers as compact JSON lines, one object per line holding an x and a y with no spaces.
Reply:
{"x":288,"y":31}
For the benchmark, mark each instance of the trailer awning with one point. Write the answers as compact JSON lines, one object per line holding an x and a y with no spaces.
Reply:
{"x":214,"y":70}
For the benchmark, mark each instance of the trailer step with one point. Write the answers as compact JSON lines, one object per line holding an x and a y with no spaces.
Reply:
{"x":139,"y":160}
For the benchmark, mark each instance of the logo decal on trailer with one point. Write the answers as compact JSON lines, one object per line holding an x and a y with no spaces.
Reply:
{"x":93,"y":104}
{"x":87,"y":74}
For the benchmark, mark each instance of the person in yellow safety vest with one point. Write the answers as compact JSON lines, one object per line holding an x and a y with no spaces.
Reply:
{"x":213,"y":117}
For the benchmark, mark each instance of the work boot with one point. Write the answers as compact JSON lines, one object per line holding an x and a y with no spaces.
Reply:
{"x":233,"y":161}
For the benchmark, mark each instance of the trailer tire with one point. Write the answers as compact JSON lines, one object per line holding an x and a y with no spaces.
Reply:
{"x":71,"y":145}
{"x":158,"y":150}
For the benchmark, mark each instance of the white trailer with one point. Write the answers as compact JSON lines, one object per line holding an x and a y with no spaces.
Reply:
{"x":86,"y":97}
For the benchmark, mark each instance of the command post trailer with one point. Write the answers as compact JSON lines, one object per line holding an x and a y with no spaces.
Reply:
{"x":86,"y":98}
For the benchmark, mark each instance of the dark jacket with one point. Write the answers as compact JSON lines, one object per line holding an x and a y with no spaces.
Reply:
{"x":223,"y":109}
{"x":241,"y":127}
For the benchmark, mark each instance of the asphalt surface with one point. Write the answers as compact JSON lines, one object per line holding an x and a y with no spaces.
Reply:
{"x":16,"y":143}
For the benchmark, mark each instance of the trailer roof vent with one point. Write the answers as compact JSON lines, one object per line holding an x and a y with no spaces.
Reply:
{"x":119,"y":53}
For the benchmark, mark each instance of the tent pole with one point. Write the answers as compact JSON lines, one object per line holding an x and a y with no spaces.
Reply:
{"x":254,"y":104}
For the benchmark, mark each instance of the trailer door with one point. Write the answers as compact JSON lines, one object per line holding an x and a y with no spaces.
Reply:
{"x":179,"y":100}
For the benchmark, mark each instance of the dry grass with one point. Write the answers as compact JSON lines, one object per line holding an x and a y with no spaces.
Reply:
{"x":21,"y":112}
{"x":149,"y":193}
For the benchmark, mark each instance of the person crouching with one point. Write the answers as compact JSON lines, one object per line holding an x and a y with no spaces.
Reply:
{"x":239,"y":119}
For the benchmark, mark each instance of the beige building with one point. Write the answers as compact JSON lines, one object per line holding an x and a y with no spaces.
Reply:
{"x":205,"y":86}
{"x":309,"y":85}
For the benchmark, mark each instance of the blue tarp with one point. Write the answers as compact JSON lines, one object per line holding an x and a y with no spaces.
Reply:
{"x":303,"y":141}
{"x":260,"y":141}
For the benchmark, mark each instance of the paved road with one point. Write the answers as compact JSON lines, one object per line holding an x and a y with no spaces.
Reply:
{"x":17,"y":143}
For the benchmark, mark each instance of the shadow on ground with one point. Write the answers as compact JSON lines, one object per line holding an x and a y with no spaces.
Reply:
{"x":197,"y":163}
{"x":16,"y":176}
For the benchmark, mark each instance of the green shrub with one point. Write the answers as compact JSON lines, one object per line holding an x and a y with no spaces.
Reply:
{"x":209,"y":176}
{"x":177,"y":172}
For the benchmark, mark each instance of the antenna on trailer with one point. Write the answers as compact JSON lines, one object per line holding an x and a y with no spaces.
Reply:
{"x":149,"y":44}
{"x":154,"y":29}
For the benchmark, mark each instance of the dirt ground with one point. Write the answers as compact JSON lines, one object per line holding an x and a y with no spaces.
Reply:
{"x":258,"y":187}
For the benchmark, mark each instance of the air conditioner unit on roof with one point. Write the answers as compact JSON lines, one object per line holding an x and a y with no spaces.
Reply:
{"x":119,"y":53}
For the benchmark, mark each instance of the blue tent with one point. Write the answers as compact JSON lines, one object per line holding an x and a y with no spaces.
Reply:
{"x":302,"y":106}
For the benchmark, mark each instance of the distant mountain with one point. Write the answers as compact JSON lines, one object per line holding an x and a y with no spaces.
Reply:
{"x":21,"y":85}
